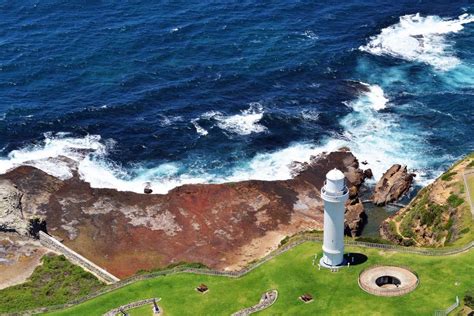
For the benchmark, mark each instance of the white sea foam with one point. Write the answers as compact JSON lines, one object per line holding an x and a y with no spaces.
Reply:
{"x":374,"y":98}
{"x":422,"y":39}
{"x":245,"y":123}
{"x":44,"y":155}
{"x":199,"y":129}
{"x":372,"y":135}
{"x":169,"y":120}
{"x":310,"y":115}
{"x":377,"y":137}
{"x":310,"y":35}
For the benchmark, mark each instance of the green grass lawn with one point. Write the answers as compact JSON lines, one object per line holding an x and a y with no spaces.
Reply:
{"x":292,"y":275}
{"x":140,"y":311}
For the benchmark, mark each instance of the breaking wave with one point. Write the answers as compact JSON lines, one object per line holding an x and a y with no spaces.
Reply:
{"x":49,"y":154}
{"x":374,"y":137}
{"x":60,"y":155}
{"x":245,"y":123}
{"x":418,"y":38}
{"x":199,"y":129}
{"x":379,"y":139}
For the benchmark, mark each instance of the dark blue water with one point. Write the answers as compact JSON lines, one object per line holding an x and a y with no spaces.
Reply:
{"x":177,"y":92}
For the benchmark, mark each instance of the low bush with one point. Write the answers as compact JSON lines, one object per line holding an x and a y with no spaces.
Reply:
{"x":465,"y":231}
{"x":284,"y":241}
{"x":469,"y":299}
{"x":448,"y":175}
{"x":408,"y":242}
{"x":56,"y":281}
{"x":454,"y":200}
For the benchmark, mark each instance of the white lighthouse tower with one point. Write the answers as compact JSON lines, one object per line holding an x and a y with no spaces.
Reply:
{"x":335,"y":194}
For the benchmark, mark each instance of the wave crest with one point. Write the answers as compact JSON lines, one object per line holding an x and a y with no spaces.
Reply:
{"x":417,"y":38}
{"x":245,"y":123}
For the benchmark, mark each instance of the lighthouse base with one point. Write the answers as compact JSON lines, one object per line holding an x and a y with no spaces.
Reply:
{"x":327,"y":266}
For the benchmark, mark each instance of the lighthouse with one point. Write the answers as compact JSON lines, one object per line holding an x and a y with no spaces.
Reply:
{"x":335,"y":194}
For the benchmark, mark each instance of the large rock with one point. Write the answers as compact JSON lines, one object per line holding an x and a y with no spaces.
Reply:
{"x":11,"y":216}
{"x":394,"y":183}
{"x":354,"y":218}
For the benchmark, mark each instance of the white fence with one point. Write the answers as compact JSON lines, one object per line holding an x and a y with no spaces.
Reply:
{"x":53,"y":244}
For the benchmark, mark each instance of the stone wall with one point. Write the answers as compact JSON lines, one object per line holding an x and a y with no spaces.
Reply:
{"x":126,"y":307}
{"x":266,"y":301}
{"x":53,"y":244}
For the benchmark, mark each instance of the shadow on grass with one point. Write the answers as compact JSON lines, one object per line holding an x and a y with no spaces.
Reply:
{"x":355,"y":258}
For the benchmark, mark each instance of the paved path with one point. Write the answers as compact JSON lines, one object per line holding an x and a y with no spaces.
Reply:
{"x":267,"y":300}
{"x":466,"y":174}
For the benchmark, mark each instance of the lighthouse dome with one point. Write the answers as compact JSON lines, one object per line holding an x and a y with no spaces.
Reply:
{"x":335,"y":181}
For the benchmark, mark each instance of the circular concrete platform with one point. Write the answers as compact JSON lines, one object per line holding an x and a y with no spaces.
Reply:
{"x":387,"y":280}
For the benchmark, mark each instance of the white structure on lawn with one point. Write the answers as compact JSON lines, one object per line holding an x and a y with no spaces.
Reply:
{"x":335,"y":194}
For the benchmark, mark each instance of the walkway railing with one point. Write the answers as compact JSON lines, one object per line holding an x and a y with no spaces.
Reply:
{"x":295,"y":241}
{"x":447,"y":310}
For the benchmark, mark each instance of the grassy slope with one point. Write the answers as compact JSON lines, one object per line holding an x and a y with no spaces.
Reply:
{"x":449,"y":220}
{"x":293,"y":275}
{"x":56,"y":281}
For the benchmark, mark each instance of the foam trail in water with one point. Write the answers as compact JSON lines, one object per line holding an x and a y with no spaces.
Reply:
{"x":199,"y":129}
{"x":422,"y":39}
{"x":245,"y":123}
{"x":373,"y":98}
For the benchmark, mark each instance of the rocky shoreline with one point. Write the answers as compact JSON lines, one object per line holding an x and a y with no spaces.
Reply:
{"x":223,"y":226}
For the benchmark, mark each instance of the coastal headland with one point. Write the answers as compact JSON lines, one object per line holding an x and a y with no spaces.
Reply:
{"x":223,"y":226}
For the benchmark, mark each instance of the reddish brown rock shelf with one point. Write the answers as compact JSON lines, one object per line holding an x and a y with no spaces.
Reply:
{"x":223,"y":226}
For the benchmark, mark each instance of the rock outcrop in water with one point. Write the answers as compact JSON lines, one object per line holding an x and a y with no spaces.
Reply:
{"x":438,"y":215}
{"x":224,"y":226}
{"x":394,"y":183}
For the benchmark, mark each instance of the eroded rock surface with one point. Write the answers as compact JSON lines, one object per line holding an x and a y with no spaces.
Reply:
{"x":223,"y":226}
{"x":11,"y":216}
{"x":394,"y":183}
{"x":354,"y":218}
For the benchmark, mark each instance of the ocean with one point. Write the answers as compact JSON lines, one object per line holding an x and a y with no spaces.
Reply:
{"x":208,"y":92}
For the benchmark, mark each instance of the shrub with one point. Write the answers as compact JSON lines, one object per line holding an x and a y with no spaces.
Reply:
{"x":408,"y":242}
{"x":454,"y":200}
{"x":448,"y":176}
{"x":284,"y":241}
{"x":464,"y":231}
{"x":469,"y":299}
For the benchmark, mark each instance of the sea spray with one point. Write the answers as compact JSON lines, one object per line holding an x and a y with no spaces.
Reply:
{"x":418,"y":38}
